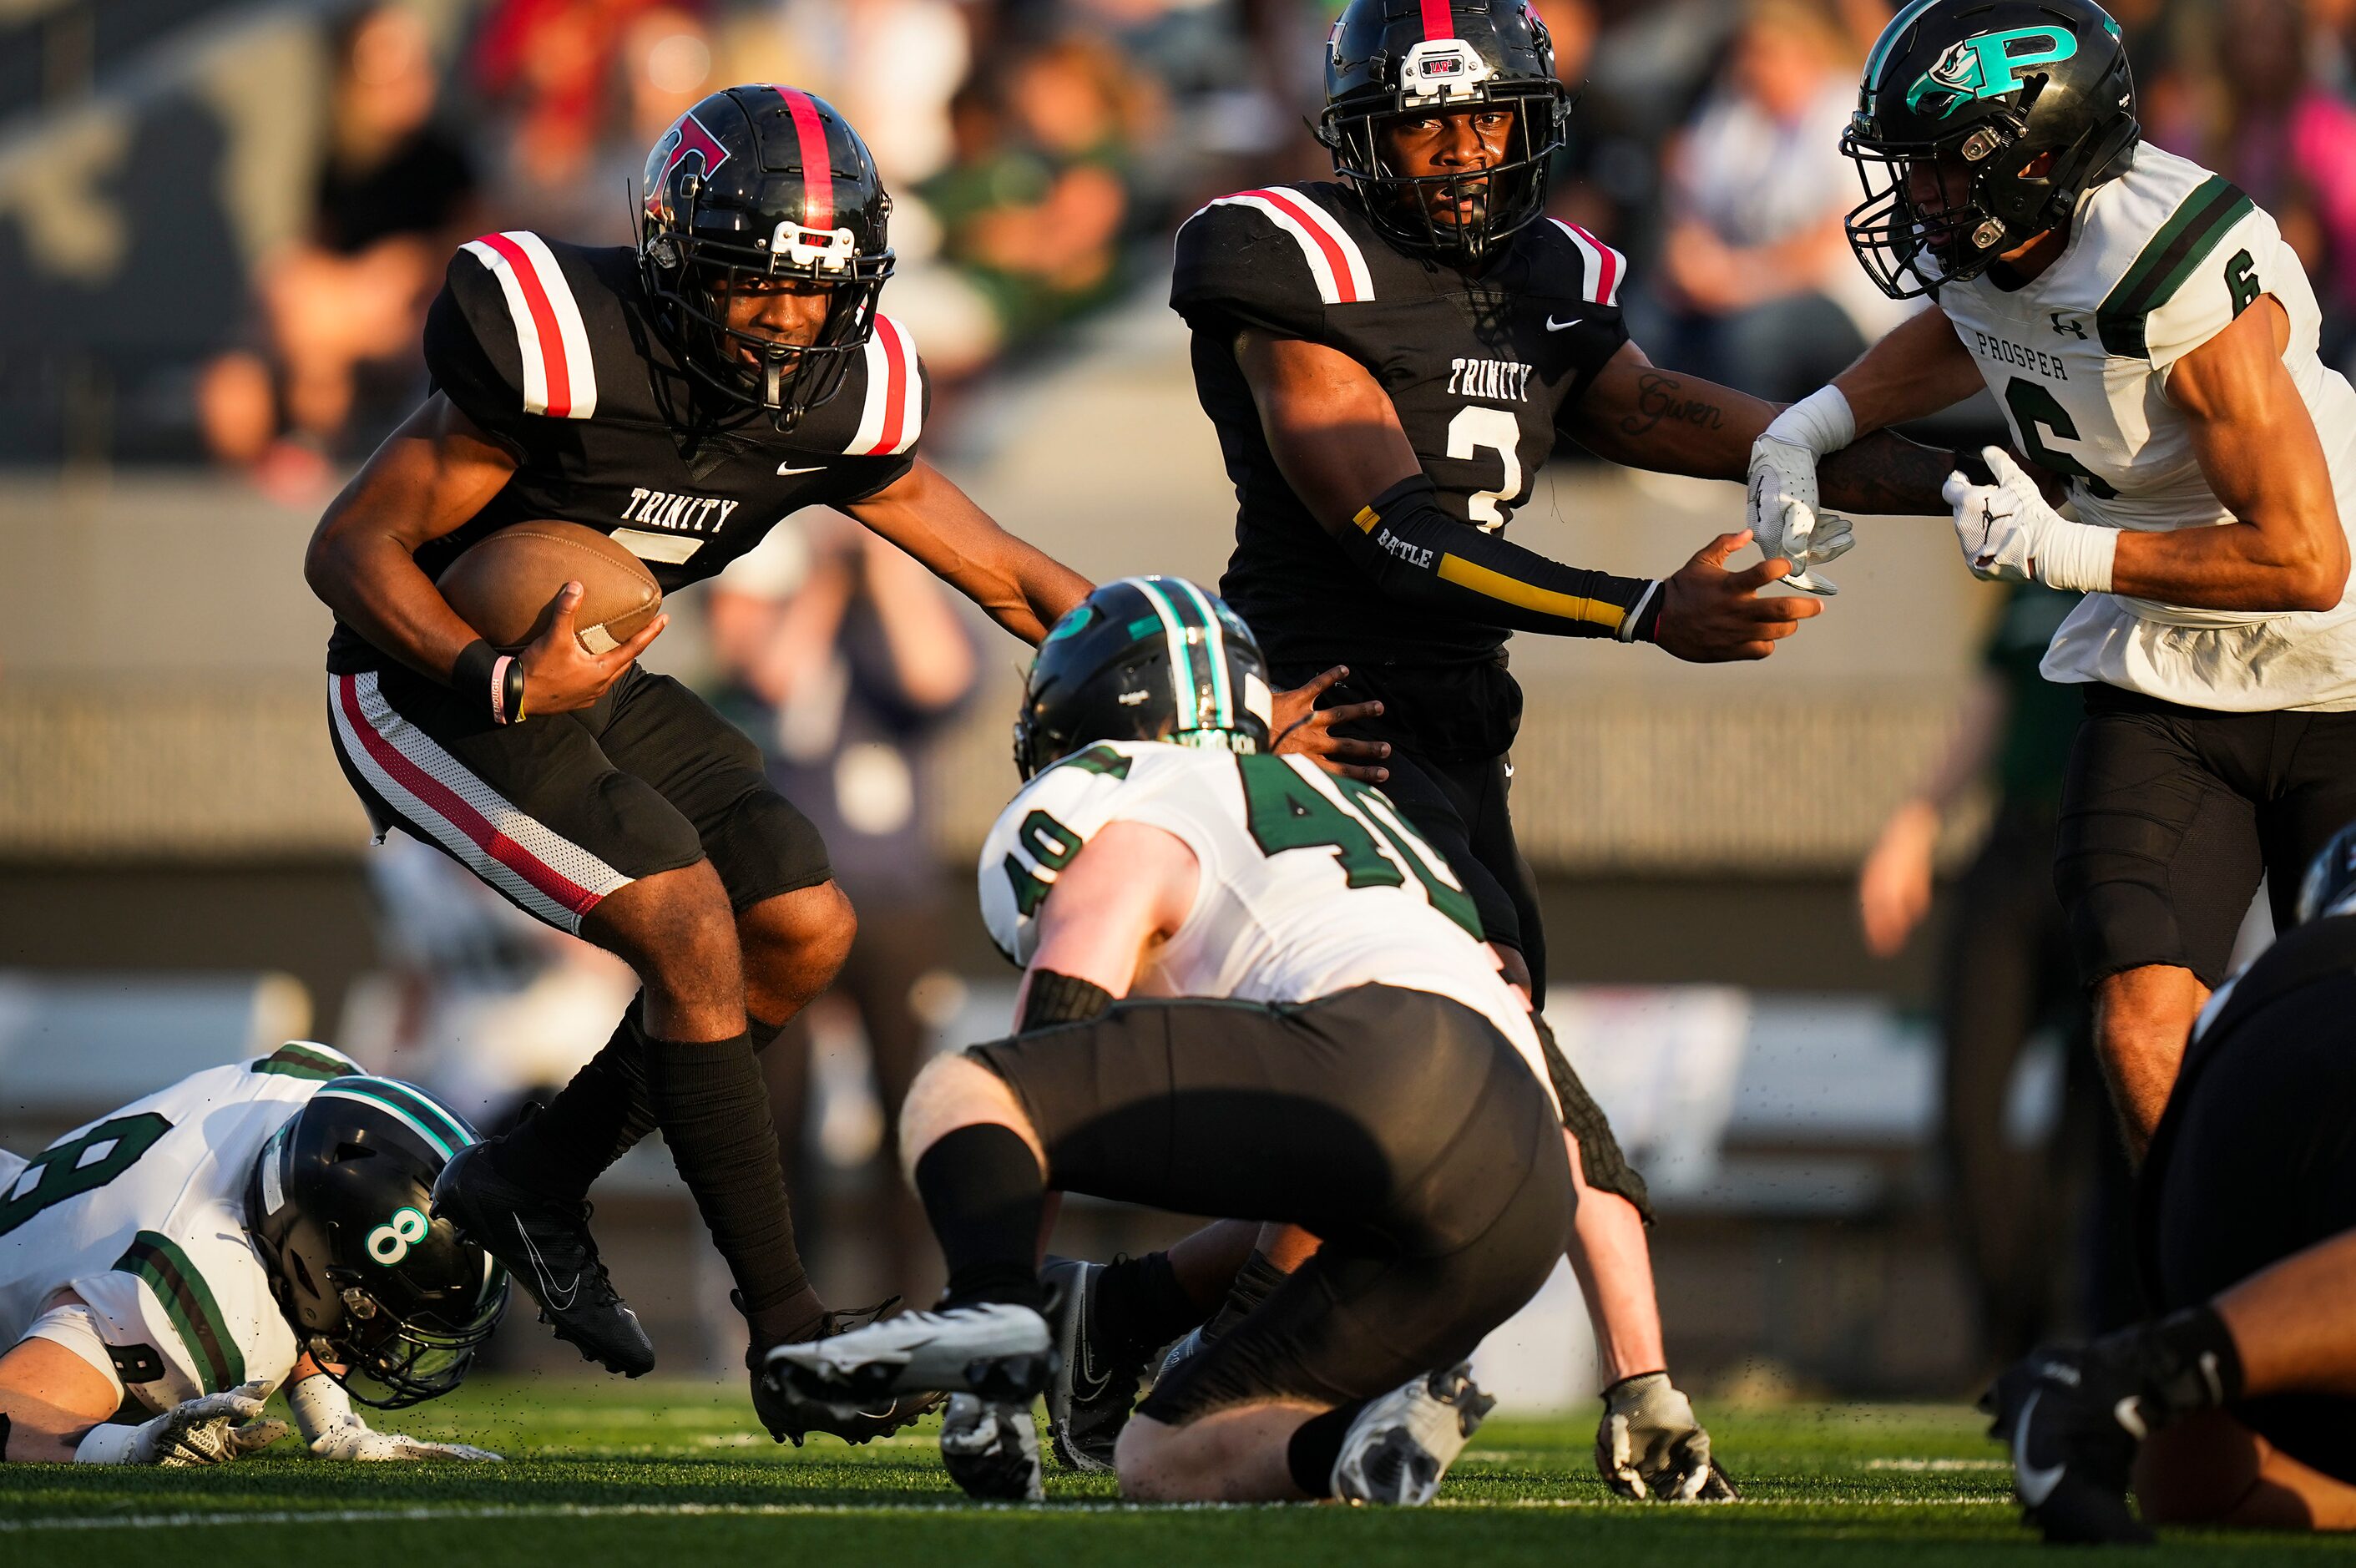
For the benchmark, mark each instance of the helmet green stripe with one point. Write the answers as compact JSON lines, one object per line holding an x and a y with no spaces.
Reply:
{"x":1185,"y":683}
{"x":1215,"y":645}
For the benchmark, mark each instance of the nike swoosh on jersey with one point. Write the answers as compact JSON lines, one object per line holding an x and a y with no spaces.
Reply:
{"x":1554,"y":326}
{"x":2036,"y":1483}
{"x":789,"y":469}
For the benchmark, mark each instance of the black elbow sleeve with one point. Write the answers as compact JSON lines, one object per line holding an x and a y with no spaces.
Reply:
{"x":1418,"y":554}
{"x":1056,"y":998}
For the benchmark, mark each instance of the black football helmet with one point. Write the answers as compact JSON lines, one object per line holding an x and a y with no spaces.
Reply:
{"x":762,"y":182}
{"x":1982,"y":88}
{"x":1389,"y":58}
{"x":339,"y":1206}
{"x":1144,"y":658}
{"x":2330,"y":885}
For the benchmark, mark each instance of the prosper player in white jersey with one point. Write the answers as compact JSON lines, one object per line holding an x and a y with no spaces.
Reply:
{"x":1250,"y":990}
{"x":2152,"y":340}
{"x":254,"y":1226}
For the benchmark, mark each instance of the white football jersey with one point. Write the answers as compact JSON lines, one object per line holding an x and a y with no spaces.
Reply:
{"x":2159,"y":260}
{"x":1310,"y":883}
{"x":141,"y":1214}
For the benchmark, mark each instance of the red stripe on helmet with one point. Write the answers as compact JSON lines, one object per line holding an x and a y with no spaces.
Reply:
{"x":1437,"y":21}
{"x":896,"y":385}
{"x":818,"y":170}
{"x":544,"y":321}
{"x":1314,"y":223}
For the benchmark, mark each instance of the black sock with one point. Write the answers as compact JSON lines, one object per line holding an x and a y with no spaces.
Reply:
{"x":1140,"y":1306}
{"x":715,"y":1116}
{"x":1253,"y":1283}
{"x":594,"y":1121}
{"x":602,"y":1114}
{"x":1316,"y":1448}
{"x":983,"y":1193}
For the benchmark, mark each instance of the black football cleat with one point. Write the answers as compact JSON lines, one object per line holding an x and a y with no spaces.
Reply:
{"x":790,"y":1418}
{"x":546,"y":1246}
{"x":1089,"y":1397}
{"x":2073,"y":1423}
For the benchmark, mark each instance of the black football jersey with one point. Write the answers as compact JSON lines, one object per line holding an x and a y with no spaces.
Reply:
{"x":548,"y":348}
{"x":1480,"y":370}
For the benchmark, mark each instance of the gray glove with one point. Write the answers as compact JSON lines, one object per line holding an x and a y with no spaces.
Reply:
{"x":212,"y":1430}
{"x":1650,"y":1445}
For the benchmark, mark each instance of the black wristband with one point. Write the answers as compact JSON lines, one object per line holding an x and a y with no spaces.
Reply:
{"x":1060,"y":999}
{"x":470,"y":677}
{"x":1645,"y":625}
{"x":511,"y":691}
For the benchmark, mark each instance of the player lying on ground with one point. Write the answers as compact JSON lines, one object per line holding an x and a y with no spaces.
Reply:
{"x":2152,"y":340}
{"x":2239,"y":1407}
{"x":683,"y":397}
{"x":1314,"y":1034}
{"x":253,"y":1227}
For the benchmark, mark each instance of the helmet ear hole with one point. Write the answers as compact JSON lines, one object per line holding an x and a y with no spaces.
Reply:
{"x":302,"y":1274}
{"x":349,"y":1151}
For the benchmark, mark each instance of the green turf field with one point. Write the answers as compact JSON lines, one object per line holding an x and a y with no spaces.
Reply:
{"x":665,"y":1475}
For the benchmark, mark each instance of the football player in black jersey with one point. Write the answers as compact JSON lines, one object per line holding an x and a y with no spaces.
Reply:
{"x":1389,"y":358}
{"x":2239,"y":1406}
{"x":682,"y":396}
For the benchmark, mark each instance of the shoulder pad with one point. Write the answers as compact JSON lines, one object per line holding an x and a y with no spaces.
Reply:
{"x":531,"y":311}
{"x":199,"y":1298}
{"x":1603,"y":269}
{"x":2176,"y":294}
{"x":894,"y":395}
{"x":305,"y":1060}
{"x":1040,"y":832}
{"x":1273,"y":257}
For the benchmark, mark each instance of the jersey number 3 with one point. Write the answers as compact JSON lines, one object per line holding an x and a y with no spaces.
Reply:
{"x":78,"y":1165}
{"x":1473,"y":429}
{"x":1286,"y":811}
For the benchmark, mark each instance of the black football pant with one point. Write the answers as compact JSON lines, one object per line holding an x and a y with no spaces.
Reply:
{"x":1400,"y":1127}
{"x":2256,"y":1160}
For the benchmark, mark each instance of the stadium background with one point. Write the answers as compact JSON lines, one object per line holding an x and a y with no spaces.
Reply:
{"x":217,"y":223}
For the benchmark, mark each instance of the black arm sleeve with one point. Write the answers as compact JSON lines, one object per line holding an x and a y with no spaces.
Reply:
{"x":1420,"y":555}
{"x":1056,"y":998}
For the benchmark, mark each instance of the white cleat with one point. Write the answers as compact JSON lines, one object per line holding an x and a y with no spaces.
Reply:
{"x":990,"y":1448}
{"x":1001,"y":1352}
{"x":1400,"y":1445}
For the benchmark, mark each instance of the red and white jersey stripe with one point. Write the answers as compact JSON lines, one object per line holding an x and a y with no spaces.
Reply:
{"x":894,"y":413}
{"x":543,"y":873}
{"x":559,"y":377}
{"x":1334,"y":260}
{"x":1605,"y":266}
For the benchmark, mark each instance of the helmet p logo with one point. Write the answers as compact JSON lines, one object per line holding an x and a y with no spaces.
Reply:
{"x":687,"y":136}
{"x":1988,"y":65}
{"x":390,"y":1242}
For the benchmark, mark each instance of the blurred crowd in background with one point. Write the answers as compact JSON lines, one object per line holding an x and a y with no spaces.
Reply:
{"x":1041,"y":152}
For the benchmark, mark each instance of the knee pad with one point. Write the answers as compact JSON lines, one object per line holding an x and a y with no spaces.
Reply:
{"x":763,"y":846}
{"x":1606,"y":1169}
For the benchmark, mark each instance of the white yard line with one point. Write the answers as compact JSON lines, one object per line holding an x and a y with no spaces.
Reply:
{"x":470,"y":1511}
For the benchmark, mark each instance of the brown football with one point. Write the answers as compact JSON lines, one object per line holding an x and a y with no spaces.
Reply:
{"x":501,"y":586}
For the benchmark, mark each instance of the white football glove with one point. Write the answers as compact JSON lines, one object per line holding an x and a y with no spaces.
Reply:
{"x":2009,"y":534}
{"x":1650,"y":1444}
{"x":1781,"y":511}
{"x":335,"y":1431}
{"x":352,"y":1438}
{"x":212,"y":1430}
